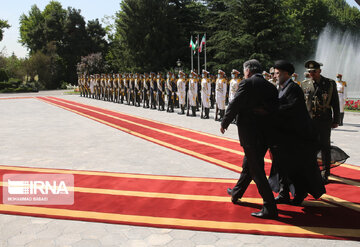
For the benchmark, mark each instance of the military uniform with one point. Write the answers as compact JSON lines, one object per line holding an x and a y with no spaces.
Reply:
{"x":220,"y":95}
{"x":153,"y":90}
{"x":205,"y":94}
{"x":146,"y":90}
{"x":170,"y":89}
{"x":325,"y":111}
{"x":234,"y":84}
{"x":137,"y":89}
{"x":341,"y":88}
{"x":181,"y":91}
{"x":192,"y":93}
{"x":160,"y":92}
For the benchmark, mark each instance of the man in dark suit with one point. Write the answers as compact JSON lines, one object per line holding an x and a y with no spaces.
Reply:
{"x":294,"y":156}
{"x":254,"y":105}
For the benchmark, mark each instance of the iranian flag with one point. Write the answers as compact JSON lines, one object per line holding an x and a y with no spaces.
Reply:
{"x":193,"y":45}
{"x":203,"y":41}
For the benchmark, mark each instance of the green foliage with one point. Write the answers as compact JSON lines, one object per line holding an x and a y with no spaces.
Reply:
{"x":3,"y":25}
{"x":63,"y":37}
{"x":151,"y":34}
{"x":3,"y":75}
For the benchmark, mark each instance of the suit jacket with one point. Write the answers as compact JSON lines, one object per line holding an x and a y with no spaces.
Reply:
{"x":254,"y":105}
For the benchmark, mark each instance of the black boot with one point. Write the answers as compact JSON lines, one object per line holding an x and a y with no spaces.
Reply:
{"x":182,"y":110}
{"x":222,"y":112}
{"x":341,"y":118}
{"x":193,"y":109}
{"x":206,"y":113}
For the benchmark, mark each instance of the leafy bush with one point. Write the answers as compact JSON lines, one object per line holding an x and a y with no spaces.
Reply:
{"x":3,"y":75}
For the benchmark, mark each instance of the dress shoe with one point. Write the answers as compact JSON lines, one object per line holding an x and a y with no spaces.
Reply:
{"x":229,"y":191}
{"x":234,"y":200}
{"x":282,"y":199}
{"x":266,"y":214}
{"x":325,"y":180}
{"x":298,"y":199}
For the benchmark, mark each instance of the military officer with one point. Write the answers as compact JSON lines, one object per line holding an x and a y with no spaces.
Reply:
{"x":192,"y":94}
{"x":205,"y":94}
{"x":160,"y":92}
{"x":273,"y":80}
{"x":220,"y":95}
{"x":234,"y":84}
{"x":146,"y":90}
{"x":170,"y":89}
{"x":137,"y":89}
{"x":325,"y":111}
{"x":97,"y":86}
{"x":341,"y":88}
{"x":153,"y":90}
{"x":181,"y":91}
{"x":294,"y":77}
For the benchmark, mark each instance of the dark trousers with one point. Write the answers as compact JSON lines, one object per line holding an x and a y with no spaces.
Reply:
{"x":323,"y":130}
{"x":253,"y":169}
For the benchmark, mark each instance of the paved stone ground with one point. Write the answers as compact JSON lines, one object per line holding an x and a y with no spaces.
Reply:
{"x":37,"y":134}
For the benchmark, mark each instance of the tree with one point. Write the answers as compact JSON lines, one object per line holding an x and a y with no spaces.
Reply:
{"x":96,"y":37}
{"x":62,"y":35}
{"x":3,"y":25}
{"x":91,"y":64}
{"x":150,"y":35}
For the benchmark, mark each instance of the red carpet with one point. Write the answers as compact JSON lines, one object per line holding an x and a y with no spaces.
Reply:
{"x":194,"y":203}
{"x":185,"y":203}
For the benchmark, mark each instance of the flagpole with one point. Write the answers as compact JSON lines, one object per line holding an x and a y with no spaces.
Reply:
{"x":205,"y":51}
{"x":198,"y":54}
{"x":191,"y":51}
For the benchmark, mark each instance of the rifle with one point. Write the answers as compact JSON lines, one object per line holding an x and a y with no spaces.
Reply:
{"x":201,"y":103}
{"x":216,"y":112}
{"x":188,"y":104}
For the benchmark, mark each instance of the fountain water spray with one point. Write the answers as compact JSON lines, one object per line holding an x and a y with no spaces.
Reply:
{"x":339,"y":52}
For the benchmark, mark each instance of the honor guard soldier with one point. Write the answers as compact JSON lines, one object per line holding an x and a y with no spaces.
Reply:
{"x":192,"y":94}
{"x":109,"y":89}
{"x":102,"y":86}
{"x":128,"y":88}
{"x":97,"y":86}
{"x":146,"y":90}
{"x":170,"y":89}
{"x":266,"y":75}
{"x":116,"y":88}
{"x":80,"y":83}
{"x":294,"y":77}
{"x":137,"y":89}
{"x":160,"y":92}
{"x":234,"y":83}
{"x":325,"y":111}
{"x":220,"y":95}
{"x":92,"y":86}
{"x":131,"y":89}
{"x":181,"y":91}
{"x":341,"y":88}
{"x":122,"y":88}
{"x":86,"y":85}
{"x":205,"y":94}
{"x":153,"y":90}
{"x":273,"y":79}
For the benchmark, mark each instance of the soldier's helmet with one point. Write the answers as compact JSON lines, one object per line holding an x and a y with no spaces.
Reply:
{"x":221,"y":72}
{"x":339,"y":76}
